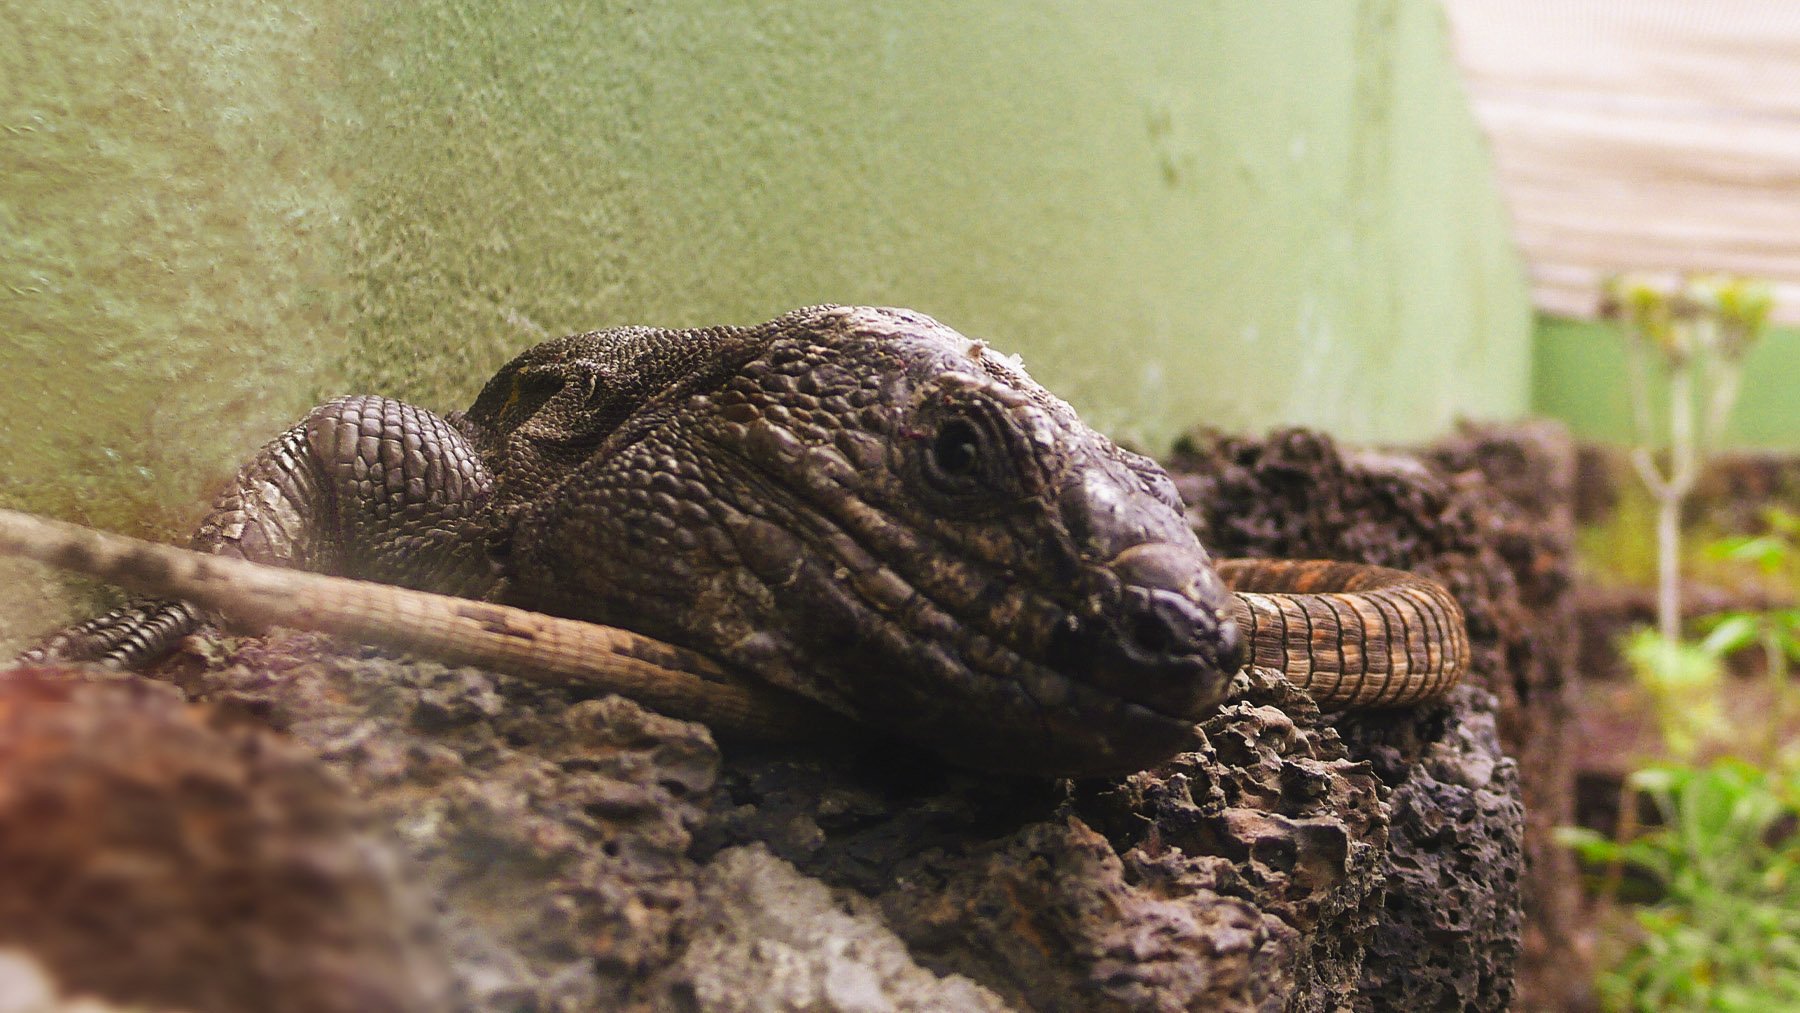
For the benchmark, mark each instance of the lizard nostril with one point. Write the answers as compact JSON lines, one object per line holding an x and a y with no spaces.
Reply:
{"x":1161,"y":624}
{"x":1232,"y":654}
{"x":1174,"y":609}
{"x":1150,"y":634}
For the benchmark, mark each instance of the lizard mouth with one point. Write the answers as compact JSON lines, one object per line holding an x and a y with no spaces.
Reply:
{"x":989,"y":671}
{"x":1165,"y":639}
{"x":1081,"y":730}
{"x":1111,"y":690}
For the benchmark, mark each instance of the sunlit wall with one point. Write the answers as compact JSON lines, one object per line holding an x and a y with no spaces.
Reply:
{"x":212,"y":215}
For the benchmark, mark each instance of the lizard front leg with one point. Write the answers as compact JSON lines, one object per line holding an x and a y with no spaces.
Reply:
{"x":364,"y":486}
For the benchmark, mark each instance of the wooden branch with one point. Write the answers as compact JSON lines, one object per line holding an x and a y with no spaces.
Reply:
{"x":542,"y":648}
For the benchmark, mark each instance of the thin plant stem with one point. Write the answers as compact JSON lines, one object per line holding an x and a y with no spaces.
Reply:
{"x":1637,"y":371}
{"x":1670,"y":493}
{"x":1776,"y":671}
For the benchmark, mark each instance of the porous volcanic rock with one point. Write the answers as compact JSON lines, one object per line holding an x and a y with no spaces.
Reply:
{"x":161,"y":856}
{"x":1488,"y":512}
{"x":1244,"y":874}
{"x":587,"y":853}
{"x":553,"y":830}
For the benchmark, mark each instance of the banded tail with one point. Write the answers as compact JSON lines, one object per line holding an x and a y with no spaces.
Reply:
{"x":1349,"y":634}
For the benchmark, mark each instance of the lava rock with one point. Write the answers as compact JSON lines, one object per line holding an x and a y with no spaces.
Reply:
{"x":162,"y":856}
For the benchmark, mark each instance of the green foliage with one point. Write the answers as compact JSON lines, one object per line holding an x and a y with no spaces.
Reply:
{"x":1651,"y":313}
{"x":1682,"y":680}
{"x":1740,"y":305}
{"x":1731,"y":632}
{"x":1776,"y":555}
{"x":1773,"y":553}
{"x":1620,"y":551}
{"x":1697,"y":332}
{"x":1719,"y":314}
{"x":1726,"y":933}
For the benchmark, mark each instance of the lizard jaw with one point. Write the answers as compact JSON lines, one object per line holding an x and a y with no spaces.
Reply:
{"x":1158,"y":631}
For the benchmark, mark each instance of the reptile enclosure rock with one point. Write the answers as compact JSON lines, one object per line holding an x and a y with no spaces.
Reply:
{"x":1489,"y":513}
{"x":587,"y":853}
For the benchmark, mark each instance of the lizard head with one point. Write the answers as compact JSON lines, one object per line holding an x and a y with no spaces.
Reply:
{"x":877,"y":512}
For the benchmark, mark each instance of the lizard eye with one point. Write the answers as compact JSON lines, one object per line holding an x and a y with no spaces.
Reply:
{"x":962,"y":458}
{"x":962,"y":449}
{"x":956,"y":450}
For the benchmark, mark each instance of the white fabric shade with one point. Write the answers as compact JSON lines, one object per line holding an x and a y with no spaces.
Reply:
{"x":1641,"y":135}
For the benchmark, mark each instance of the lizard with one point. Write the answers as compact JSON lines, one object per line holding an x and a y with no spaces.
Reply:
{"x":858,"y":507}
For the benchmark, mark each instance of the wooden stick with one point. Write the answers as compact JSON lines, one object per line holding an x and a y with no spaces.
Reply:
{"x":530,"y":645}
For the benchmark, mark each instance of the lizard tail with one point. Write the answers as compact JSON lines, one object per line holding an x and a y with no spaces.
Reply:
{"x":1349,"y":634}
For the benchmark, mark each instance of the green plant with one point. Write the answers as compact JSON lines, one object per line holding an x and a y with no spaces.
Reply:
{"x":1774,"y":633}
{"x":1682,"y":681}
{"x":1620,"y":550}
{"x":1775,"y":553}
{"x":1683,"y":678}
{"x":1697,"y":333}
{"x":1725,"y":934}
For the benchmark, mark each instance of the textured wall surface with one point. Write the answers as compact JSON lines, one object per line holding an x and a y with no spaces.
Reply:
{"x":1579,"y":376}
{"x":213,"y":215}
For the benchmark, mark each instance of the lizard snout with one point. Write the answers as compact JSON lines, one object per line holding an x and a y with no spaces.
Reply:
{"x":1176,"y":604}
{"x":1161,"y":624}
{"x":1177,"y":643}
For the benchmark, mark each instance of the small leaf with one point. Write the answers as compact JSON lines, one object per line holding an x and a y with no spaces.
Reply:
{"x":1766,"y":552}
{"x":1574,"y":837}
{"x":1786,"y":522}
{"x":1591,"y":845}
{"x":1655,"y":780}
{"x":1733,"y":633}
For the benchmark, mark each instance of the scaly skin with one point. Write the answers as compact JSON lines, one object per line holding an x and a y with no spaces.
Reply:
{"x":857,"y":505}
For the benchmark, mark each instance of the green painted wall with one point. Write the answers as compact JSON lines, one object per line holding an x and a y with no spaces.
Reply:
{"x":1578,"y":376}
{"x":213,"y":215}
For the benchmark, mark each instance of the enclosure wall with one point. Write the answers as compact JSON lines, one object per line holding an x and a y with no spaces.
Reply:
{"x":1580,"y":371}
{"x":1238,"y":214}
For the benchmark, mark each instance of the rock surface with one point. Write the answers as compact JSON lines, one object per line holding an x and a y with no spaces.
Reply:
{"x":591,"y":854}
{"x":1488,"y":512}
{"x":161,"y":855}
{"x":767,"y":937}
